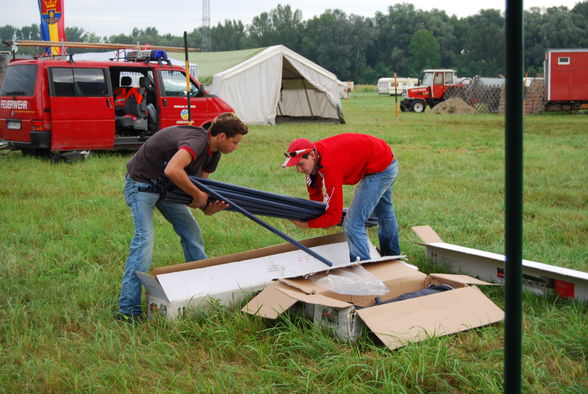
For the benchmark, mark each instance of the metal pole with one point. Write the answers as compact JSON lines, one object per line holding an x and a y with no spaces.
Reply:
{"x":187,"y":76}
{"x":513,"y":196}
{"x":396,"y":94}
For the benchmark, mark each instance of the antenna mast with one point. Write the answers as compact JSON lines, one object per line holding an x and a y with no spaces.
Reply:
{"x":205,"y":25}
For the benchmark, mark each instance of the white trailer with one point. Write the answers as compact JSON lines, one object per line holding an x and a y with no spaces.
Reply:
{"x":387,"y":86}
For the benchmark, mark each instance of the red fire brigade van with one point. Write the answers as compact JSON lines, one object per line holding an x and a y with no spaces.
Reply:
{"x":51,"y":105}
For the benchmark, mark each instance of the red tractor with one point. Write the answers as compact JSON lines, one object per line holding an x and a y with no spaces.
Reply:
{"x":431,"y":90}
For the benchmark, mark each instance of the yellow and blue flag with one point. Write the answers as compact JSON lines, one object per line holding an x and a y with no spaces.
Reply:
{"x":52,"y":24}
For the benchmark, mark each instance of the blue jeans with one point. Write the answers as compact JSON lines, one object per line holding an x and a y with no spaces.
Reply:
{"x":142,"y":205}
{"x":373,"y":195}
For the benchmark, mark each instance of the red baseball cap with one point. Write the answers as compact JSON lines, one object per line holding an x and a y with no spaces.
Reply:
{"x":297,"y":148}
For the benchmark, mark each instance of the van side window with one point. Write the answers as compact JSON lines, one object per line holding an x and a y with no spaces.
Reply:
{"x":19,"y":81}
{"x":91,"y":81}
{"x":78,"y":82}
{"x":62,"y":81}
{"x":174,"y":84}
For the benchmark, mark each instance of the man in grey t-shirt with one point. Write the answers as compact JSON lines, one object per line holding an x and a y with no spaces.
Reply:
{"x":176,"y":152}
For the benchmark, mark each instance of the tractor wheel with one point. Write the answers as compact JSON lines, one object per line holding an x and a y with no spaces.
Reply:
{"x":403,"y":106}
{"x":418,"y":106}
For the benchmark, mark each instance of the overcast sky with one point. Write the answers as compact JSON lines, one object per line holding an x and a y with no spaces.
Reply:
{"x":108,"y":17}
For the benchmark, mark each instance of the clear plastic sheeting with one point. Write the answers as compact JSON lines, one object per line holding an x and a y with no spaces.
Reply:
{"x":354,"y":280}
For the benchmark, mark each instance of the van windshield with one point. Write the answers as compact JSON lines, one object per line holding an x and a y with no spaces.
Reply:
{"x":19,"y":80}
{"x":174,"y":84}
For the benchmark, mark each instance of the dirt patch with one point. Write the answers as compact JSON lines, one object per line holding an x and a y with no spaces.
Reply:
{"x":454,"y":105}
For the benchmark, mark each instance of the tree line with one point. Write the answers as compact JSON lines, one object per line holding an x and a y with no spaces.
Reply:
{"x":362,"y":49}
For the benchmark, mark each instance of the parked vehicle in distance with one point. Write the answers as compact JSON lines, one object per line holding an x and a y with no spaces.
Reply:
{"x":59,"y":104}
{"x":566,"y":79}
{"x":431,"y":90}
{"x":388,"y":86}
{"x":346,"y":87}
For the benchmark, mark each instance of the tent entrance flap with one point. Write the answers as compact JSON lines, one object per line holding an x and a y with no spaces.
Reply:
{"x":300,"y":98}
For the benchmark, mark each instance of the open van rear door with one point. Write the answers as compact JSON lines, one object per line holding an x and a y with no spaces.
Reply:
{"x":82,"y":108}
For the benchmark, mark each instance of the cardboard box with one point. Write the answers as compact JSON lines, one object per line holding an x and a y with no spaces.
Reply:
{"x":539,"y":278}
{"x":395,"y":324}
{"x":172,"y":290}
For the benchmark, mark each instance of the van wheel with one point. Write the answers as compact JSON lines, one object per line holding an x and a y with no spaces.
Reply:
{"x":35,"y":152}
{"x":57,"y":158}
{"x":70,"y":156}
{"x":418,"y":106}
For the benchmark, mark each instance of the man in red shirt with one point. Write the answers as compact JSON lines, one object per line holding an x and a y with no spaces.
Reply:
{"x":348,"y":159}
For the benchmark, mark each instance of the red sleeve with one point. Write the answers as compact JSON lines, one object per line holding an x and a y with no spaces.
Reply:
{"x":334,"y":200}
{"x":190,"y":151}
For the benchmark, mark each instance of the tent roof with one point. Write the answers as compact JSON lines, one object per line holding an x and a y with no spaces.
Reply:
{"x":210,"y":63}
{"x":266,"y":53}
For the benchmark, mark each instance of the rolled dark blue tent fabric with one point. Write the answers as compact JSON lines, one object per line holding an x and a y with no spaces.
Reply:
{"x":249,"y":202}
{"x":254,"y":201}
{"x":248,"y":214}
{"x":262,"y":202}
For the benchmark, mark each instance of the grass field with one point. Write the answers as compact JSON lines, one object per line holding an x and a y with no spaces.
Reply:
{"x":66,"y":231}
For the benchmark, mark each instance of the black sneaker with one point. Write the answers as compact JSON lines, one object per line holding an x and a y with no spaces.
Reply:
{"x":131,"y":319}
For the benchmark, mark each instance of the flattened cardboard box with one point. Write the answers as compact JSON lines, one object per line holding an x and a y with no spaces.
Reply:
{"x":539,"y":278}
{"x":229,"y":279}
{"x":395,"y":324}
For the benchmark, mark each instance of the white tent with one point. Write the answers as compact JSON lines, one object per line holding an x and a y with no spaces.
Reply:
{"x":279,"y":84}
